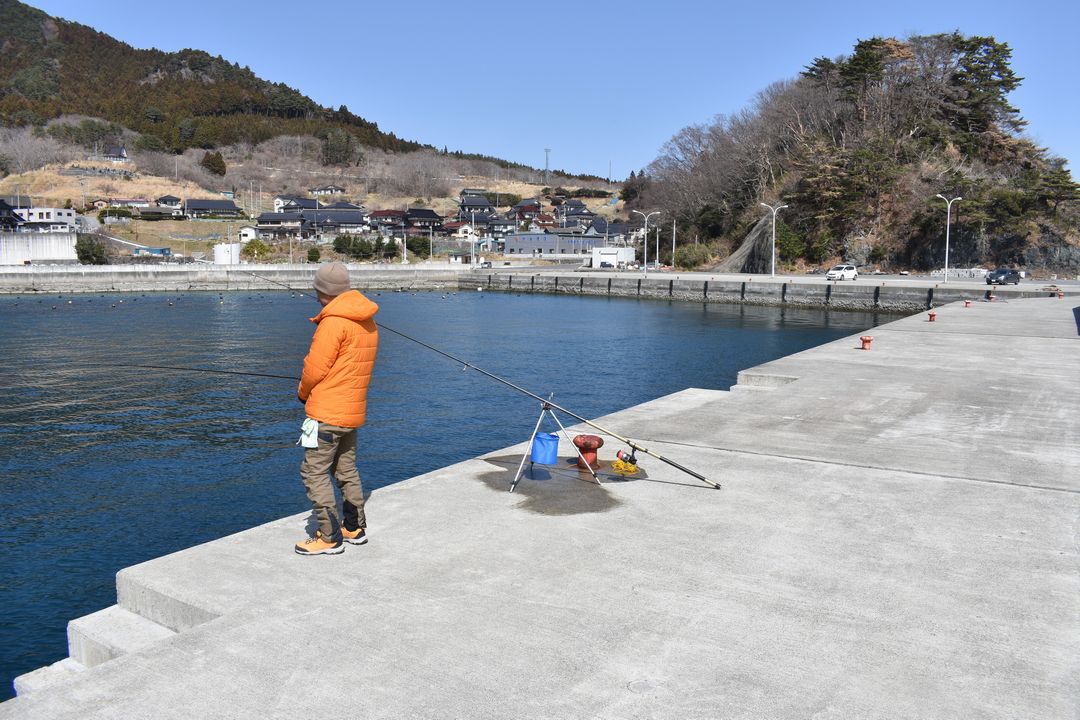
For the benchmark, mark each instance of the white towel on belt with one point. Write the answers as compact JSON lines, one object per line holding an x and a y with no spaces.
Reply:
{"x":309,"y":434}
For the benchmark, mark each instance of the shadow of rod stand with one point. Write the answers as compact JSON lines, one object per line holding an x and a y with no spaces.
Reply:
{"x":545,"y":409}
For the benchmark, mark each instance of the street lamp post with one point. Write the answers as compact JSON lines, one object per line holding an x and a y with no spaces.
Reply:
{"x":673,"y":243}
{"x":645,"y":238}
{"x":948,"y":221}
{"x":778,"y":208}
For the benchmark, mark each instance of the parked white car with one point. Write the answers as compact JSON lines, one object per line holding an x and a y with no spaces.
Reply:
{"x":843,"y":272}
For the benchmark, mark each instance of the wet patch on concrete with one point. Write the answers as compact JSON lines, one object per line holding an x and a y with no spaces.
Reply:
{"x":561,"y":489}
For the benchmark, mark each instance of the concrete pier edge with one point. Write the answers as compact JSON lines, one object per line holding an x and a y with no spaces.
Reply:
{"x":896,"y":537}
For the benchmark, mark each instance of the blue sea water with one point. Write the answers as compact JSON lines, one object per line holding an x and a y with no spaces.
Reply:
{"x":104,"y":466}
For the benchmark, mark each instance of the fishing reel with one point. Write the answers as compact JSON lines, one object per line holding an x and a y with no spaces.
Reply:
{"x":625,"y":464}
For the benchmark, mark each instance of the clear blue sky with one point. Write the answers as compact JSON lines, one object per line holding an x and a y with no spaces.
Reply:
{"x":596,"y":81}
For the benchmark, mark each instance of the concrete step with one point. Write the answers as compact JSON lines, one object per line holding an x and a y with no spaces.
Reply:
{"x":157,"y":599}
{"x":55,"y":674}
{"x":110,"y":633}
{"x":762,"y":379}
{"x":752,"y":388}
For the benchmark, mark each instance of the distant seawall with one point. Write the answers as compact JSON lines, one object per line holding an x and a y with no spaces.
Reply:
{"x":905,"y":296}
{"x":185,"y":278}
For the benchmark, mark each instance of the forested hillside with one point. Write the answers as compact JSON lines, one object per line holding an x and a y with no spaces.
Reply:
{"x":858,"y":148}
{"x":51,"y":67}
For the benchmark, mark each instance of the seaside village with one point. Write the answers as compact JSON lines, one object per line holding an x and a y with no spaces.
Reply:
{"x":482,"y":231}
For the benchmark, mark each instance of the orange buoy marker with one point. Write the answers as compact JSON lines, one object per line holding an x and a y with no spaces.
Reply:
{"x":933,"y":316}
{"x":866,"y":340}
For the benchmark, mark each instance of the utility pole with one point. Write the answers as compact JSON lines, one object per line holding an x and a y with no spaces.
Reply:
{"x":547,"y":152}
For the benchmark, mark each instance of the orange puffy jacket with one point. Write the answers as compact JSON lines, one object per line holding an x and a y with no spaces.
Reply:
{"x":337,"y":368}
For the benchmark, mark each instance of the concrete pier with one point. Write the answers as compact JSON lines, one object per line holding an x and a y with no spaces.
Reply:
{"x":896,"y":537}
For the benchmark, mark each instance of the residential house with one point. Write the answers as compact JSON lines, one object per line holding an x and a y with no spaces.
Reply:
{"x":525,"y":210}
{"x":170,"y":201}
{"x":333,"y":222}
{"x":471,"y":192}
{"x":129,"y":203}
{"x":100,"y":204}
{"x":499,"y":227}
{"x":388,"y":222}
{"x":572,"y":206}
{"x":285,"y":203}
{"x":460,"y":230}
{"x":247,"y":233}
{"x":9,"y":219}
{"x":544,"y":221}
{"x":115,"y":154}
{"x":47,"y":220}
{"x":471,"y":206}
{"x":342,"y":205}
{"x":278,"y":226}
{"x":205,"y":208}
{"x":328,"y":190}
{"x":423,"y":219}
{"x":579,"y":219}
{"x":159,"y":212}
{"x":615,"y":233}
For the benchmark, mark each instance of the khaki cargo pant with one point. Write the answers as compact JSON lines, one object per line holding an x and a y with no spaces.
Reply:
{"x":336,"y":454}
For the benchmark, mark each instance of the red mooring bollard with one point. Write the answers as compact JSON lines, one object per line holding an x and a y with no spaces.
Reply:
{"x":967,"y":303}
{"x":866,"y":340}
{"x":588,"y":445}
{"x":1061,"y":294}
{"x":933,"y":316}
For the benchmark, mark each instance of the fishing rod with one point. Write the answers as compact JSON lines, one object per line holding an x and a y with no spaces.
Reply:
{"x":634,"y":447}
{"x":206,"y":370}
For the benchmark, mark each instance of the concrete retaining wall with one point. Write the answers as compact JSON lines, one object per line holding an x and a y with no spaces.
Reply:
{"x":183,"y":278}
{"x":899,"y":297}
{"x":18,"y":248}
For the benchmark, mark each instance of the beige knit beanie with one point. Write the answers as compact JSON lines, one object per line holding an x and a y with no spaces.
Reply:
{"x":332,"y":279}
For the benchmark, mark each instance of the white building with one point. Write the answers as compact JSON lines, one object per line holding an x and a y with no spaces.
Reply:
{"x":55,"y":220}
{"x":612,"y":257}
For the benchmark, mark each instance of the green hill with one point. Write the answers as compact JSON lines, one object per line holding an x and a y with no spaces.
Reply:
{"x":51,"y":67}
{"x":859,"y":147}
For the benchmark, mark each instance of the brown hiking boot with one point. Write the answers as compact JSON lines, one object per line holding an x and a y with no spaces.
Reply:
{"x":354,"y":537}
{"x":319,"y":546}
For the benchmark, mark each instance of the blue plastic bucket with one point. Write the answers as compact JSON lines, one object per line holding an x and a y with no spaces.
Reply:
{"x":545,"y":449}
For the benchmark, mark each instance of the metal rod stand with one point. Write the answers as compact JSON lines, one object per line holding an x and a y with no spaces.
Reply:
{"x":545,"y":409}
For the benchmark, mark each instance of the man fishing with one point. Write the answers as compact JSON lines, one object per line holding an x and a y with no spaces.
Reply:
{"x":333,"y":388}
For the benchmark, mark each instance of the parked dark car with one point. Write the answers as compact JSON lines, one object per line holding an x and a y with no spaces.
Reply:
{"x":1003,"y":276}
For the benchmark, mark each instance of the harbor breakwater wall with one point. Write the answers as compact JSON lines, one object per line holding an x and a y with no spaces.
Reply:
{"x":185,"y":278}
{"x":903,"y":296}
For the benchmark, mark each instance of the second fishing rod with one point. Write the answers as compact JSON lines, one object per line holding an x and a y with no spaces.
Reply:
{"x":466,"y":365}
